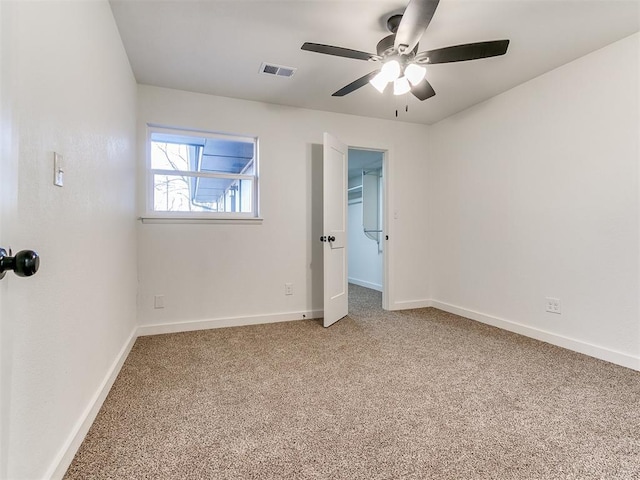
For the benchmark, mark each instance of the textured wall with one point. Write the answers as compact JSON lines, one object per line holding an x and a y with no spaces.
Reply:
{"x":71,"y":91}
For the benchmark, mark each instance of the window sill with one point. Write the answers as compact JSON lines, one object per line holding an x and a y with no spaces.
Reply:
{"x":203,"y":220}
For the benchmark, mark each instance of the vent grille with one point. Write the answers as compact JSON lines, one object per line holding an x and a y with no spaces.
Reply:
{"x":277,"y":70}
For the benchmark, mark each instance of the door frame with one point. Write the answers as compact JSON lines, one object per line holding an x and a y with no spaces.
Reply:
{"x":387,"y":295}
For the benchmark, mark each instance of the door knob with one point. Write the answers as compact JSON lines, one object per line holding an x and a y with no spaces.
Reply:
{"x":323,"y":239}
{"x":331,"y":238}
{"x":24,"y":264}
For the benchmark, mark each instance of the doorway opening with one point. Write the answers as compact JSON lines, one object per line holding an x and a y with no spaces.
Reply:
{"x":365,"y":215}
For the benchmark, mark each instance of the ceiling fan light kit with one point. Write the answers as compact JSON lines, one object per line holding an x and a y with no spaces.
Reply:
{"x":402,"y":64}
{"x":401,"y":86}
{"x":380,"y":82}
{"x":391,"y":70}
{"x":415,"y":73}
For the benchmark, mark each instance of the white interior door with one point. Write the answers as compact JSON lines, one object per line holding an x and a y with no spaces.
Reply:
{"x":8,"y":210}
{"x":4,"y":378}
{"x":6,"y":186}
{"x":334,"y":236}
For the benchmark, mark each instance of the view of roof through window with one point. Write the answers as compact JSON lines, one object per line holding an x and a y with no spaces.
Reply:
{"x":202,"y":174}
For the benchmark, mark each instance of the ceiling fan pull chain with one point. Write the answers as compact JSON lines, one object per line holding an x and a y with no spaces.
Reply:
{"x":406,"y":108}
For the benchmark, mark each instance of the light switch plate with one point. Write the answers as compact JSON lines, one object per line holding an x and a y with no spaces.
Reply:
{"x":158,"y":301}
{"x":58,"y":170}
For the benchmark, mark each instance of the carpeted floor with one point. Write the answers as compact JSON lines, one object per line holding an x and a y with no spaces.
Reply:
{"x":418,"y":394}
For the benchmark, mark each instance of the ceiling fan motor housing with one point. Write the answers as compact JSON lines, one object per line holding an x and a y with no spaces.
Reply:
{"x":393,"y":22}
{"x":385,"y":47}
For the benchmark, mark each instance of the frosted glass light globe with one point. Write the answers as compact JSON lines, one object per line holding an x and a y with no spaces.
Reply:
{"x":380,"y":82}
{"x":414,"y":73}
{"x":401,"y":86}
{"x":391,"y":70}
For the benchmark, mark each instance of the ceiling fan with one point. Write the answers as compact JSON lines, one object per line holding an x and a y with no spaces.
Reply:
{"x":402,"y":64}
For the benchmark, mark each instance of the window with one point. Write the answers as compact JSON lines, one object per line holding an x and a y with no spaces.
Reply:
{"x":201,"y":174}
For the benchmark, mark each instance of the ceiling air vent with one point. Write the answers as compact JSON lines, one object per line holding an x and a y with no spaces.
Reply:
{"x":277,"y":70}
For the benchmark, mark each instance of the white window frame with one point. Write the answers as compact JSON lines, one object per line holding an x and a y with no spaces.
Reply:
{"x":151,"y":215}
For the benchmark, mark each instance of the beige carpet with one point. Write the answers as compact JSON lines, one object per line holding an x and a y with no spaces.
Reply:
{"x":380,"y":395}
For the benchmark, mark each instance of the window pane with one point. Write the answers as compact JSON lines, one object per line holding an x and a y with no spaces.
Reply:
{"x":239,"y":197}
{"x":172,"y":193}
{"x":200,"y":154}
{"x":173,"y":156}
{"x":227,"y":156}
{"x":229,"y":195}
{"x":246,"y":196}
{"x":177,"y":193}
{"x":200,"y":172}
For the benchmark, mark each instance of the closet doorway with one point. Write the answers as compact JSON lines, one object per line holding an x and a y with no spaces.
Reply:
{"x":365,"y":213}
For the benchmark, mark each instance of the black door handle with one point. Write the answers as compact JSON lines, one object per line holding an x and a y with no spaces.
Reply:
{"x":24,"y":264}
{"x":331,"y":238}
{"x":323,"y":239}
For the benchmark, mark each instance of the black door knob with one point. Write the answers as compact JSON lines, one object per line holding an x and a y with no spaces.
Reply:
{"x":24,"y":264}
{"x":331,"y":238}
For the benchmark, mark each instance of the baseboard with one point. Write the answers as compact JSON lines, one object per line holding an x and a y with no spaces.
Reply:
{"x":409,"y":304}
{"x":364,"y":283}
{"x":65,"y":456}
{"x":79,"y":432}
{"x":70,"y":447}
{"x":579,"y":346}
{"x":188,"y":326}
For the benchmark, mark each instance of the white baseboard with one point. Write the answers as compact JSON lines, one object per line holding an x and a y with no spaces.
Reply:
{"x":364,"y":283}
{"x":192,"y":325}
{"x":579,"y":346}
{"x":65,"y":456}
{"x":409,"y":304}
{"x":70,"y":447}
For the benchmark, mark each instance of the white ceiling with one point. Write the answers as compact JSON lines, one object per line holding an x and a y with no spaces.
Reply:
{"x":217,"y":47}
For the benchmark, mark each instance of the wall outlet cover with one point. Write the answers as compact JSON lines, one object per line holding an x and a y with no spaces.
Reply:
{"x":552,"y":305}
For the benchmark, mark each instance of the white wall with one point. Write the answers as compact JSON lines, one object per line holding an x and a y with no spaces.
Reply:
{"x":365,"y":261}
{"x":67,"y":87}
{"x":209,"y":272}
{"x":533,"y":194}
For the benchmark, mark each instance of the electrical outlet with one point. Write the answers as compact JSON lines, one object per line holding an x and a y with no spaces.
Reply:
{"x":158,"y":301}
{"x":552,"y":305}
{"x":288,"y":288}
